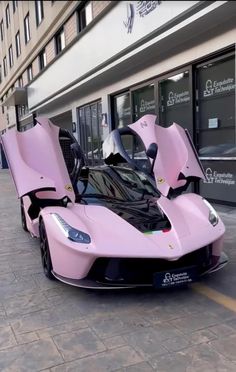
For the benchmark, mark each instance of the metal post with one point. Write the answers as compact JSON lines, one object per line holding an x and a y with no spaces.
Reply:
{"x":17,"y":118}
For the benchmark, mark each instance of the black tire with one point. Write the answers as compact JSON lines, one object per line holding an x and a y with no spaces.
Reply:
{"x":23,"y":218}
{"x":45,"y":252}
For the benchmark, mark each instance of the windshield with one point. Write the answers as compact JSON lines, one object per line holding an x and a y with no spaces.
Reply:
{"x":116,"y":183}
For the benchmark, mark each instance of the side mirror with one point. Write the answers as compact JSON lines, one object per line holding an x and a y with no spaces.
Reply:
{"x":152,"y":151}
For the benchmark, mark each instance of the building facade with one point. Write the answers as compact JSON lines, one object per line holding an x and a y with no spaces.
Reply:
{"x":94,"y":66}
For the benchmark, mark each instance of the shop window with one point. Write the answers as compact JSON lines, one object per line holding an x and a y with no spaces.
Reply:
{"x":8,"y":20}
{"x":5,"y":66}
{"x":216,"y":127}
{"x":27,"y":29}
{"x":143,"y":101}
{"x":175,"y":104}
{"x":85,"y":16}
{"x":90,"y":120}
{"x":121,"y":110}
{"x":60,"y":41}
{"x":42,"y":60}
{"x":39,"y":11}
{"x":18,"y":48}
{"x":1,"y":29}
{"x":216,"y":108}
{"x":10,"y":53}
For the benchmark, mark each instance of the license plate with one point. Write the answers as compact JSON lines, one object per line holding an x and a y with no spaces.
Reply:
{"x":175,"y":278}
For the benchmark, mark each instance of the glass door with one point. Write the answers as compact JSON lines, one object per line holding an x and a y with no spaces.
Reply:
{"x":90,"y":118}
{"x":143,"y":101}
{"x":215,"y":111}
{"x":175,"y":99}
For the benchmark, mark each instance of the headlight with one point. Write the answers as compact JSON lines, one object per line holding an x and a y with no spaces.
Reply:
{"x":213,"y":216}
{"x":70,"y":232}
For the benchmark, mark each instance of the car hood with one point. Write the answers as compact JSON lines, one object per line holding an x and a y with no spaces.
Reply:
{"x":36,"y":161}
{"x":176,"y":160}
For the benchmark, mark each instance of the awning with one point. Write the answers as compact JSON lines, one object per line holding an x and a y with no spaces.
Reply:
{"x":17,"y":97}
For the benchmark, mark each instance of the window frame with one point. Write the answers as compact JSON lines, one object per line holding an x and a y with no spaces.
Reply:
{"x":42,"y":58}
{"x":39,"y":13}
{"x":14,"y":5}
{"x":57,"y":38}
{"x":198,"y":130}
{"x":2,"y":29}
{"x":5,"y":66}
{"x":81,"y":12}
{"x":27,"y":28}
{"x":7,"y":14}
{"x":112,"y":103}
{"x":30,"y":74}
{"x":10,"y":55}
{"x":18,"y":44}
{"x":20,"y":81}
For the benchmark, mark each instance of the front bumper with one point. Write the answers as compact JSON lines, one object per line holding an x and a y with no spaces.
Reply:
{"x":113,"y":276}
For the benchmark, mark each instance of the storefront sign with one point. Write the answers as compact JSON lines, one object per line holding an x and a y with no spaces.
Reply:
{"x":178,"y":98}
{"x":145,"y":7}
{"x":213,"y":176}
{"x":220,"y":183}
{"x":142,"y":8}
{"x":146,"y":106}
{"x":216,"y":87}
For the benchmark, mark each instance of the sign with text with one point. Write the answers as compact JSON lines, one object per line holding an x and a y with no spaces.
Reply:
{"x":220,"y":183}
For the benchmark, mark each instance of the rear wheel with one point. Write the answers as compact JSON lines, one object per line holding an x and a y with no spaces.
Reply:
{"x":45,"y":252}
{"x":23,"y":218}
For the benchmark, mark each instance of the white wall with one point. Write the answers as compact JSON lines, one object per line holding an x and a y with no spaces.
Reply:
{"x":105,"y":40}
{"x":215,"y":43}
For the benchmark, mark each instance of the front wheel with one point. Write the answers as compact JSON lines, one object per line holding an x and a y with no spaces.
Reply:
{"x":45,"y":252}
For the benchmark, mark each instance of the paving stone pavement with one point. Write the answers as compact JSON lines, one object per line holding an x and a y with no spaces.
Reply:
{"x":50,"y":326}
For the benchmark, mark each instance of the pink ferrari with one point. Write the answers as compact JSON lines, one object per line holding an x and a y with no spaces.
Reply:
{"x":133,"y":221}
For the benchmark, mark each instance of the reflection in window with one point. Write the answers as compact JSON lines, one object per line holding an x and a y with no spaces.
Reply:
{"x":30,"y":73}
{"x":91,"y":132}
{"x":143,"y":101}
{"x":116,"y":183}
{"x":216,"y":108}
{"x":18,"y":48}
{"x":42,"y":60}
{"x":122,"y":110}
{"x":60,"y":41}
{"x":39,"y":11}
{"x":27,"y":28}
{"x":20,"y":81}
{"x":85,"y":16}
{"x":175,"y":101}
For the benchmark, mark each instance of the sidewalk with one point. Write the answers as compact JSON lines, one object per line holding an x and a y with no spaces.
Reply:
{"x":50,"y":326}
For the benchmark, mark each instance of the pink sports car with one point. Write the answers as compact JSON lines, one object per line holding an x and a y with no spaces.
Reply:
{"x":133,"y":221}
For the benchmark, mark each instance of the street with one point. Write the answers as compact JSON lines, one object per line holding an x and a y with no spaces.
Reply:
{"x":50,"y":326}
